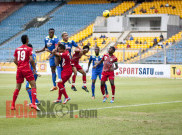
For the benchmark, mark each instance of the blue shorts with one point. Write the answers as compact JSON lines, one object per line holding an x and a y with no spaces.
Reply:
{"x":52,"y":62}
{"x":27,"y":83}
{"x":95,"y":74}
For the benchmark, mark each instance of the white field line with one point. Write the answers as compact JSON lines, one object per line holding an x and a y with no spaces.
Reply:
{"x":123,"y":106}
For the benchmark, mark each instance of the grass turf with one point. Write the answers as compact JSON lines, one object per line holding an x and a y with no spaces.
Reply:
{"x":160,"y":119}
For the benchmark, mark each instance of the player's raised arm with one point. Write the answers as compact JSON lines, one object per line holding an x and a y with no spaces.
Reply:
{"x":98,"y":63}
{"x":90,"y":60}
{"x":116,"y":66}
{"x":38,"y":51}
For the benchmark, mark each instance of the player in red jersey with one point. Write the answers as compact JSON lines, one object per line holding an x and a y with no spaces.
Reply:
{"x":22,"y":57}
{"x":76,"y":67}
{"x":65,"y":73}
{"x":108,"y":71}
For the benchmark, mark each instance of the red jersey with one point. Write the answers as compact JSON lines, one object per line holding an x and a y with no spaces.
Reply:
{"x":22,"y":55}
{"x":76,"y":57}
{"x":66,"y":61}
{"x":108,"y":62}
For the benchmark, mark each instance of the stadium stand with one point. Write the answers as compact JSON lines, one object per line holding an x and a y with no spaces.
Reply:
{"x":14,"y":23}
{"x":160,"y":7}
{"x":88,"y":2}
{"x":122,"y":8}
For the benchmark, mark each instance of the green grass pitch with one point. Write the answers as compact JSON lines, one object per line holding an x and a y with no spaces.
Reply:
{"x":132,"y":112}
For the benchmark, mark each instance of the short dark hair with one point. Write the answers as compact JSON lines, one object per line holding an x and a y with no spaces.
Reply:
{"x":51,"y":29}
{"x":24,"y":39}
{"x":86,"y":47}
{"x":97,"y":47}
{"x":113,"y":48}
{"x":30,"y":45}
{"x":61,"y":46}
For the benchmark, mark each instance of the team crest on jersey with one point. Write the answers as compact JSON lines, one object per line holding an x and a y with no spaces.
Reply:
{"x":105,"y":58}
{"x":111,"y":59}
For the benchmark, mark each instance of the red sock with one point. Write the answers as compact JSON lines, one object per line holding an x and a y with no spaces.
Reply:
{"x":34,"y":95}
{"x":113,"y":90}
{"x":103,"y":89}
{"x":73,"y":80}
{"x":15,"y":95}
{"x":59,"y":94}
{"x":61,"y":86}
{"x":84,"y":78}
{"x":64,"y":93}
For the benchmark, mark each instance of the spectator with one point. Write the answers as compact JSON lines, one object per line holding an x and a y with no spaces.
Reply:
{"x":101,"y":36}
{"x":173,"y":7}
{"x":88,"y":43}
{"x":162,"y":5}
{"x":132,"y":12}
{"x":104,"y":36}
{"x":95,"y":38}
{"x":167,"y":43}
{"x":144,"y":11}
{"x":156,"y":11}
{"x":155,"y":40}
{"x":131,"y":37}
{"x":152,"y":7}
{"x":173,"y":41}
{"x":104,"y":41}
{"x":81,"y":43}
{"x":136,"y":42}
{"x":145,"y":42}
{"x":128,"y":45}
{"x":141,"y":10}
{"x":161,"y":37}
{"x":160,"y":44}
{"x":167,"y":5}
{"x":140,"y":42}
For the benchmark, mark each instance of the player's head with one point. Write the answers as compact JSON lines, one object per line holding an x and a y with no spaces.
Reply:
{"x":51,"y":32}
{"x":97,"y":50}
{"x":30,"y":45}
{"x":64,"y":36}
{"x":86,"y":48}
{"x":111,"y":50}
{"x":61,"y":48}
{"x":24,"y":39}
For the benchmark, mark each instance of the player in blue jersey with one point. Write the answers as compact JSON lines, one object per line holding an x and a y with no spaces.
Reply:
{"x":68,"y":44}
{"x":96,"y":71}
{"x":51,"y":42}
{"x":28,"y":87}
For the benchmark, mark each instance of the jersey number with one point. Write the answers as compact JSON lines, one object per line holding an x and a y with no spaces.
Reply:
{"x":21,"y":55}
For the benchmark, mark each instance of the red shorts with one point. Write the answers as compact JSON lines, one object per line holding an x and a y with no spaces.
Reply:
{"x":107,"y":74}
{"x":65,"y":75}
{"x":78,"y":67}
{"x":24,"y":73}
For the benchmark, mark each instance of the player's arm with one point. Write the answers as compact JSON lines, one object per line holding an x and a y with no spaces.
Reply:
{"x":38,"y":51}
{"x":116,"y":66}
{"x":33,"y":64}
{"x":90,"y":60}
{"x":75,"y":45}
{"x":98,"y":63}
{"x":56,"y":53}
{"x":15,"y":61}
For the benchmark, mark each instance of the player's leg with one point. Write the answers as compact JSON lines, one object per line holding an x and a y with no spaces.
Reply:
{"x":58,"y":67}
{"x":93,"y":88}
{"x":15,"y":95}
{"x":84,"y":78}
{"x":107,"y":94}
{"x":74,"y":78}
{"x":29,"y":91}
{"x":53,"y":70}
{"x":111,"y":79}
{"x":103,"y":81}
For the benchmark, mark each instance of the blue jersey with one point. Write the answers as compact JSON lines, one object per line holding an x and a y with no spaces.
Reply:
{"x":35,"y":61}
{"x":51,"y":43}
{"x":95,"y":60}
{"x":69,"y":45}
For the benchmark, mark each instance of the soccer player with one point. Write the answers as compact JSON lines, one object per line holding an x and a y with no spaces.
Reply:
{"x":28,"y":87}
{"x":96,"y":71}
{"x":76,"y":67}
{"x":65,"y":73}
{"x":22,"y":57}
{"x":108,"y":72}
{"x":50,"y":43}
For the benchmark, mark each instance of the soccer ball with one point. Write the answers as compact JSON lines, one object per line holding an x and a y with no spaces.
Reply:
{"x":106,"y":13}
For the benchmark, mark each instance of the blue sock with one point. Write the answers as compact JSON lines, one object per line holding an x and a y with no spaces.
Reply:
{"x":93,"y":89}
{"x":59,"y":71}
{"x":106,"y":89}
{"x":36,"y":101}
{"x":30,"y":94}
{"x":54,"y":78}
